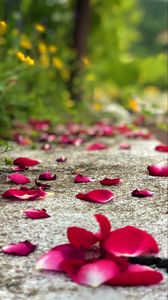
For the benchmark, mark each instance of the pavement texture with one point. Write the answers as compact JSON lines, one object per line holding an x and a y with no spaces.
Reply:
{"x":18,"y":278}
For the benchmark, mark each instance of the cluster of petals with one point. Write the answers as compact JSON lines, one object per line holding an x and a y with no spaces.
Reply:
{"x":25,"y":162}
{"x":47,"y":176}
{"x":24,"y":194}
{"x":42,"y":125}
{"x":96,"y":146}
{"x":158,"y":170}
{"x":162,"y":148}
{"x":82,"y":179}
{"x":99,"y":196}
{"x":20,"y":249}
{"x":111,"y":181}
{"x":33,"y":213}
{"x":18,"y":178}
{"x":103,"y":257}
{"x":142,"y":193}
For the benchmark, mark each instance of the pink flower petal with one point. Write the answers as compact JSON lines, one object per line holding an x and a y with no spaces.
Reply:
{"x":33,"y":213}
{"x":42,"y":186}
{"x":21,"y":248}
{"x":61,"y":159}
{"x":23,"y":162}
{"x":46,"y":147}
{"x":92,"y":274}
{"x":53,"y":259}
{"x":142,"y":193}
{"x":162,"y":148}
{"x":113,"y":181}
{"x":136,"y":275}
{"x":105,"y":226}
{"x":18,"y":178}
{"x":47,"y":176}
{"x":100,"y":196}
{"x":24,"y":194}
{"x":130,"y":241}
{"x":81,"y":238}
{"x":96,"y":146}
{"x":82,"y":179}
{"x":158,"y":170}
{"x":125,"y":146}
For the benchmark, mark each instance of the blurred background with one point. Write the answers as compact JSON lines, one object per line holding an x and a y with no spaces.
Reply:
{"x":82,"y":60}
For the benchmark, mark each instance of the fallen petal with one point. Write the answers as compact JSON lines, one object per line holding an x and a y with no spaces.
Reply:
{"x":130,"y":241}
{"x":23,"y":162}
{"x":18,"y":178}
{"x":136,"y":275}
{"x":46,"y":147}
{"x":113,"y":181}
{"x":125,"y":146}
{"x":20,"y":249}
{"x":61,"y":159}
{"x":100,"y":196}
{"x":104,"y":224}
{"x":96,"y":146}
{"x":81,"y":238}
{"x":47,"y":176}
{"x":162,"y":148}
{"x":82,"y":179}
{"x":53,"y":259}
{"x":158,"y":170}
{"x":24,"y":194}
{"x":33,"y":213}
{"x":142,"y":193}
{"x":43,"y":186}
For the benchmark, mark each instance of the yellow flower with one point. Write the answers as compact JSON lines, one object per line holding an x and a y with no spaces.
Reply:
{"x":3,"y":27}
{"x":25,"y":42}
{"x":42,"y":48}
{"x":57,"y":63}
{"x":133,"y":105}
{"x":97,"y":106}
{"x":90,"y":77}
{"x":29,"y":61}
{"x":40,"y":28}
{"x":20,"y":56}
{"x":44,"y":60}
{"x":52,"y":48}
{"x":86,"y":61}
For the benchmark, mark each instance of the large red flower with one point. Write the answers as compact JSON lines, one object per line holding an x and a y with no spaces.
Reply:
{"x":18,"y":178}
{"x":24,"y":194}
{"x":24,"y":162}
{"x":130,"y":241}
{"x":158,"y":170}
{"x":100,"y":196}
{"x":20,"y":249}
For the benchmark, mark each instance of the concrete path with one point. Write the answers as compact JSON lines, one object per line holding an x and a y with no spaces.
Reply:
{"x":18,"y":278}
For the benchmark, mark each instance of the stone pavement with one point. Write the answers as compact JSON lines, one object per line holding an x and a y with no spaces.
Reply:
{"x":18,"y":278}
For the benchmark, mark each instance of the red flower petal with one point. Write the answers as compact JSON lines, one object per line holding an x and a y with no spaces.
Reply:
{"x":81,"y":238}
{"x":100,"y":196}
{"x":61,"y":159}
{"x":47,"y":176}
{"x":21,"y":248}
{"x":53,"y":259}
{"x":18,"y":178}
{"x":125,"y":146}
{"x":162,"y":148}
{"x":24,"y":194}
{"x":25,"y":162}
{"x":158,"y":170}
{"x":82,"y":179}
{"x":136,"y":275}
{"x":96,"y":146}
{"x":33,"y":213}
{"x":113,"y":181}
{"x":105,"y":226}
{"x":142,"y":193}
{"x":43,"y":186}
{"x":92,"y":274}
{"x":130,"y":241}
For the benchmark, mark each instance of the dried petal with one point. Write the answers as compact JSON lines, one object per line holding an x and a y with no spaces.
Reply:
{"x":20,"y":249}
{"x":18,"y":178}
{"x":142,"y":193}
{"x":47,"y":176}
{"x":82,"y":179}
{"x":158,"y":170}
{"x":33,"y":213}
{"x":100,"y":196}
{"x":113,"y":181}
